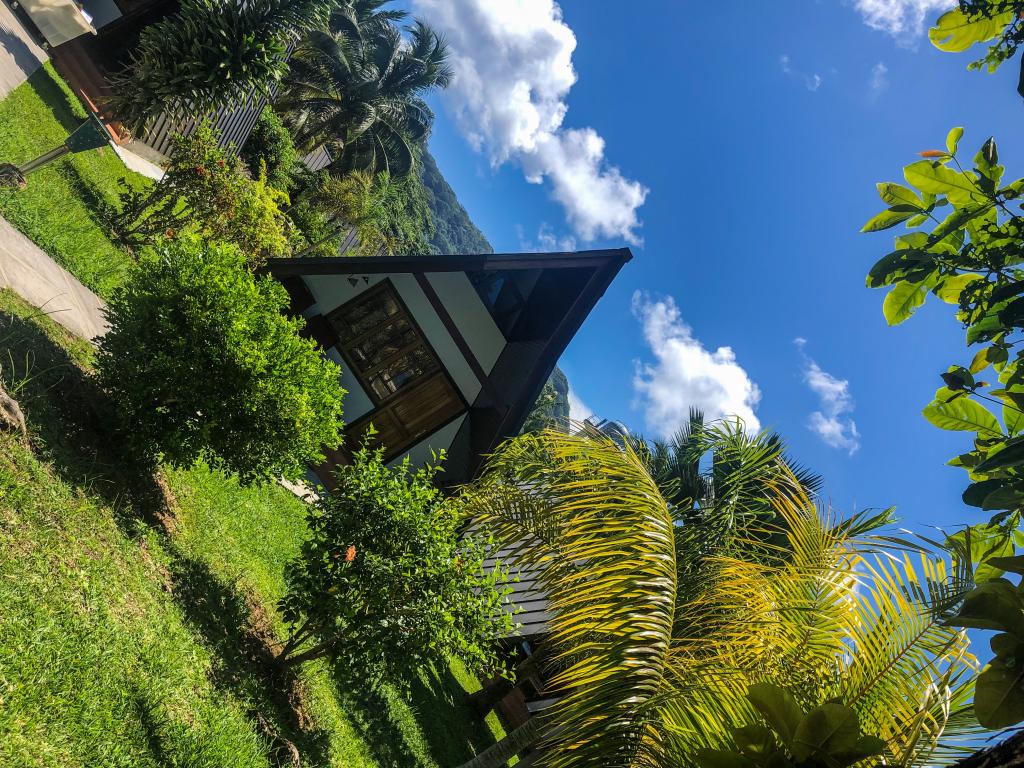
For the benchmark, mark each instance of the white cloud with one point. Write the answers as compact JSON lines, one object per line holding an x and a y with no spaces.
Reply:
{"x":546,"y":240}
{"x":831,"y":422}
{"x":578,"y":410}
{"x":903,"y":19}
{"x":879,"y":77}
{"x":684,"y":374}
{"x":513,"y":71}
{"x":812,"y":82}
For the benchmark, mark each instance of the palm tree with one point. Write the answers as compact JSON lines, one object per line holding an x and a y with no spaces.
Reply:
{"x":357,"y":90}
{"x":652,"y":669}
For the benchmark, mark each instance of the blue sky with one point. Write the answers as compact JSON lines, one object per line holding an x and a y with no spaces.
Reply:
{"x":753,"y":133}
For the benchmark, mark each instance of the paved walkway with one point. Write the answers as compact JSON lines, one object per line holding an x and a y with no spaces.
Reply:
{"x":19,"y":55}
{"x":29,"y":272}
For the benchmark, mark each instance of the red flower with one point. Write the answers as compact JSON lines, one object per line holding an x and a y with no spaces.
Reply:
{"x":350,"y":553}
{"x":220,"y":163}
{"x":200,"y":170}
{"x":933,"y":153}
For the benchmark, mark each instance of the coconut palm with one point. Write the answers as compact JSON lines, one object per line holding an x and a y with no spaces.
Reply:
{"x":651,"y":672}
{"x":357,"y":90}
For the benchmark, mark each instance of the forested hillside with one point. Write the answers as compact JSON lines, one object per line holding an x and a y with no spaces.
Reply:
{"x":454,"y":232}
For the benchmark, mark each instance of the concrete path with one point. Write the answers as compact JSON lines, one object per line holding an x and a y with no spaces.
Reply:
{"x":19,"y":55}
{"x":29,"y":272}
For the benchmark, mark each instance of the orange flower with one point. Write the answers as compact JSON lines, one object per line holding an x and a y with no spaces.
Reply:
{"x":933,"y":153}
{"x":350,"y":553}
{"x":168,"y":233}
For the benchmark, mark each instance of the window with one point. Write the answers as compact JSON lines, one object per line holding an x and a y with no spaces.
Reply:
{"x":381,"y":343}
{"x":396,"y":366}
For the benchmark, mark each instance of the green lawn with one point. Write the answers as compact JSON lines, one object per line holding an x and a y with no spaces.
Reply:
{"x":58,"y":209}
{"x":128,"y":638}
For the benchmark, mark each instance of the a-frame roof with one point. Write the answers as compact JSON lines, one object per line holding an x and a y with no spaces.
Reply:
{"x":493,"y":426}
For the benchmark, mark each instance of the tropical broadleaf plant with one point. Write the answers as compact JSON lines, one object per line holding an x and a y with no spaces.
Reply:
{"x":966,"y":246}
{"x":829,"y":735}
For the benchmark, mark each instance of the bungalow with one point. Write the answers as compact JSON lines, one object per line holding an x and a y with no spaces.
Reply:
{"x":443,"y":352}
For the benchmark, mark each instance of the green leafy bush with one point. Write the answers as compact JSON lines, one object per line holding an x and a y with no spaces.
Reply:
{"x":205,"y":191}
{"x":384,"y":585}
{"x":270,"y":147}
{"x":201,"y":361}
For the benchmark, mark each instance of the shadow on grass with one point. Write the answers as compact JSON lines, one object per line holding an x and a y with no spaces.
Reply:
{"x":68,"y":113}
{"x":452,"y":732}
{"x":72,"y":423}
{"x":244,"y":666}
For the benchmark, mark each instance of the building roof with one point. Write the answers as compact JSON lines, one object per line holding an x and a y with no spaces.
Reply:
{"x":520,"y":373}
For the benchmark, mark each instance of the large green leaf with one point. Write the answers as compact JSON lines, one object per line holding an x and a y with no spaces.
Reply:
{"x":830,"y":728}
{"x":896,"y":194}
{"x":950,"y":288}
{"x":1011,"y":455}
{"x":961,"y":414}
{"x":953,"y":138}
{"x":901,"y":302}
{"x":929,"y":176}
{"x":994,"y":605}
{"x":999,"y":692}
{"x":779,"y":709}
{"x":887,"y":219}
{"x":956,"y":32}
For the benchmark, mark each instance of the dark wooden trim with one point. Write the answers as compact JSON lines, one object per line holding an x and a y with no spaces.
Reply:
{"x":391,"y":453}
{"x":512,"y":420}
{"x":460,"y":341}
{"x":375,"y":265}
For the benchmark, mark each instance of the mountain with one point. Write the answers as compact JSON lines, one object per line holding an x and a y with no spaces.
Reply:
{"x":454,"y":231}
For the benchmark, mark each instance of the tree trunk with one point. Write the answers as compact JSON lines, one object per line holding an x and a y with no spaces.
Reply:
{"x":496,"y":755}
{"x":1008,"y":754}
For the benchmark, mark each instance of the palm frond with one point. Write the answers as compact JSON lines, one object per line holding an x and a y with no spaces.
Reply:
{"x":586,"y":516}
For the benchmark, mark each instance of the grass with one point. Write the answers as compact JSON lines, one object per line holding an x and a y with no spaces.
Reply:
{"x":124,"y":642}
{"x":58,"y":209}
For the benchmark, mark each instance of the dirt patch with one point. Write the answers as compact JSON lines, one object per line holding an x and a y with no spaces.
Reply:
{"x":165,"y":510}
{"x":261,"y":629}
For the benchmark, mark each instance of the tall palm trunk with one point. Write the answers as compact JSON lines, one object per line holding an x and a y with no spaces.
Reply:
{"x":496,"y":755}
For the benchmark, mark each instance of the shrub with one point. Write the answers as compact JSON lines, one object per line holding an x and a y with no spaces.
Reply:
{"x":204,"y":191}
{"x":270,"y":147}
{"x":385,"y":585}
{"x":201,"y":361}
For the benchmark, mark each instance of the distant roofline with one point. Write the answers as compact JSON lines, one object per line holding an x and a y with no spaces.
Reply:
{"x":370,"y":265}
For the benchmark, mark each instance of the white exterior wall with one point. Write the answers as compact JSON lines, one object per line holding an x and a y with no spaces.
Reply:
{"x":468,"y":312}
{"x":470,"y":315}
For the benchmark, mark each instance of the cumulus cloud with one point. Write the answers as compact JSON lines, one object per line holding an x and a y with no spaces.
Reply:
{"x":578,"y":410}
{"x":879,"y":77}
{"x":831,"y":422}
{"x":513,"y":71}
{"x":812,"y":82}
{"x":903,"y":19}
{"x":685,"y":374}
